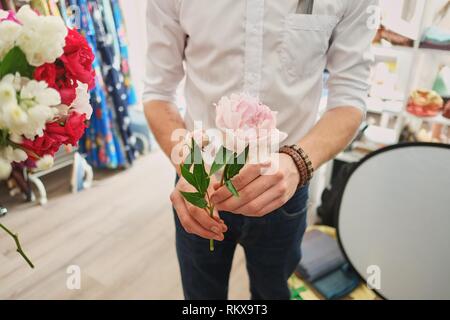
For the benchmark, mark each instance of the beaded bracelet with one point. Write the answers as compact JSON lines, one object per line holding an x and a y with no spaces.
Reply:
{"x":302,"y":162}
{"x":307,"y":160}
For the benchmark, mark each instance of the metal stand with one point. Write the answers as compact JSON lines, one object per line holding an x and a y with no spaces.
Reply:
{"x":62,"y":159}
{"x":3,"y":211}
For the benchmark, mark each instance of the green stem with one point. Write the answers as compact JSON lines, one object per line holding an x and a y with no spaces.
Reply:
{"x":19,"y":247}
{"x":211,"y":214}
{"x":211,"y":241}
{"x":222,"y":180}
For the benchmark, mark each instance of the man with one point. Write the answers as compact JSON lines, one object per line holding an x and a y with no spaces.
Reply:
{"x":276,"y":51}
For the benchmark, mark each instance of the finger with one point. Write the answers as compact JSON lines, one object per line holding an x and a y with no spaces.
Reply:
{"x":262,"y":205}
{"x":216,"y":217}
{"x":247,"y":175}
{"x":188,"y":223}
{"x":249,"y":193}
{"x":272,"y":206}
{"x":205,"y":221}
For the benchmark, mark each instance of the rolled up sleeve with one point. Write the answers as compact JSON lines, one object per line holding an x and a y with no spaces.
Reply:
{"x":350,"y":57}
{"x":165,"y":52}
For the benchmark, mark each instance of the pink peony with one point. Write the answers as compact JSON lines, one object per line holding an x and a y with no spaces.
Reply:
{"x":245,"y":121}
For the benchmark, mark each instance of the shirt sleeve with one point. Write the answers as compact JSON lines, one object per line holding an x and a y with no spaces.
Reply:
{"x":165,"y":52}
{"x":349,"y":57}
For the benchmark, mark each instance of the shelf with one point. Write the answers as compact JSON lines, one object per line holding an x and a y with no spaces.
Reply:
{"x":380,"y":135}
{"x":350,"y":156}
{"x":435,"y":51}
{"x":377,"y":105}
{"x":392,"y":51}
{"x":439,"y":119}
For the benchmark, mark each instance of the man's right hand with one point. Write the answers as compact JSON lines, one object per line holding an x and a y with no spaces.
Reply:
{"x":195,"y":220}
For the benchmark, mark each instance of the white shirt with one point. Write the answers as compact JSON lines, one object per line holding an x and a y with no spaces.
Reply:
{"x":262,"y":47}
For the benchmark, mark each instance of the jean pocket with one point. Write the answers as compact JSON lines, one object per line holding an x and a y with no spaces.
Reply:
{"x":297,"y":205}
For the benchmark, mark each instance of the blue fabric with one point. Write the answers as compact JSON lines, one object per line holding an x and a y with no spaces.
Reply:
{"x":121,"y":38}
{"x":113,"y":79}
{"x":338,"y":283}
{"x":272,"y":249}
{"x":100,"y":143}
{"x":321,"y":255}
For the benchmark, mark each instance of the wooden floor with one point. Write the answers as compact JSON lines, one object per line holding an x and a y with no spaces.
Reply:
{"x":120,"y":233}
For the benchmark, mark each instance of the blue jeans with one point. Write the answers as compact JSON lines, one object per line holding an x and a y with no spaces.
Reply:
{"x":272,"y":250}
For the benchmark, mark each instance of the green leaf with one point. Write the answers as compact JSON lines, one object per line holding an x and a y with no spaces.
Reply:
{"x":201,"y":177}
{"x":230,"y":186}
{"x":222,"y":158}
{"x":188,"y":161}
{"x":188,"y":176}
{"x":16,"y":61}
{"x":195,"y":198}
{"x":238,"y":163}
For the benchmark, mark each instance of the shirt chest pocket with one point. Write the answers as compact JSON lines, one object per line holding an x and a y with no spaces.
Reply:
{"x":305,"y":42}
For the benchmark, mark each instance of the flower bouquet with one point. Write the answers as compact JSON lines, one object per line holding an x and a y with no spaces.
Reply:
{"x":246,"y":133}
{"x":45,"y":77}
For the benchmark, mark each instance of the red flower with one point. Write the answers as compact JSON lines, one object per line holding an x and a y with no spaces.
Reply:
{"x":55,"y":135}
{"x":48,"y":144}
{"x":47,"y":73}
{"x":78,"y":59}
{"x":55,"y":76}
{"x":74,"y":65}
{"x":75,"y":127}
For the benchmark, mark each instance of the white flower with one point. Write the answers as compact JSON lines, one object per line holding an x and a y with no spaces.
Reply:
{"x":5,"y":169}
{"x":38,"y":116}
{"x":15,"y":80}
{"x":42,"y":38}
{"x":62,"y":111}
{"x":7,"y":156}
{"x":7,"y":94}
{"x":45,"y":163}
{"x":13,"y":155}
{"x":19,"y":155}
{"x":82,"y":101}
{"x":13,"y":137}
{"x":14,"y":116}
{"x":9,"y":32}
{"x":26,"y":106}
{"x":41,"y":93}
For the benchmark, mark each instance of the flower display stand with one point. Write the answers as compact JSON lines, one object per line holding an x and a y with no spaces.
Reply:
{"x":82,"y":174}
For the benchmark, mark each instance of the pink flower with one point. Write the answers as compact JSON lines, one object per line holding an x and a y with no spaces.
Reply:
{"x":245,"y":121}
{"x":8,"y":16}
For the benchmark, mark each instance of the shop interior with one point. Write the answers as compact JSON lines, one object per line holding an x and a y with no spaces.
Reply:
{"x":104,"y":206}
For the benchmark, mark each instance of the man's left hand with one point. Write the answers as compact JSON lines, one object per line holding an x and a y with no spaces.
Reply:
{"x":259,"y":194}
